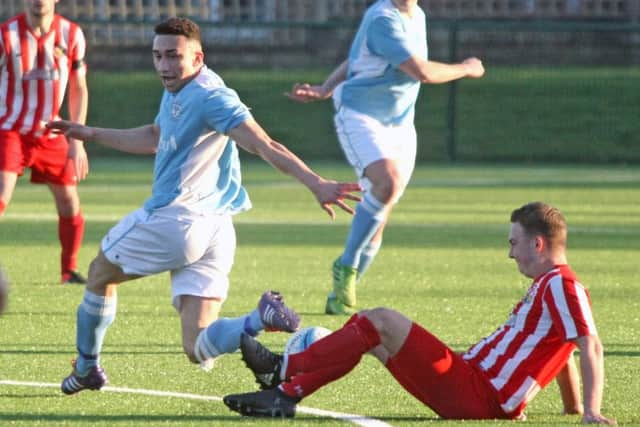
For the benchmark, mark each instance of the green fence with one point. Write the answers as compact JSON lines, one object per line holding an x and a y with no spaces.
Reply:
{"x":554,"y":90}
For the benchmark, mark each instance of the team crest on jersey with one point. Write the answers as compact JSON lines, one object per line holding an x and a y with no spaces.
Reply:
{"x":59,"y":51}
{"x":176,"y":109}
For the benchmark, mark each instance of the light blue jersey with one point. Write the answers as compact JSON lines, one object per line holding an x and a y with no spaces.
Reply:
{"x":375,"y":86}
{"x":197,"y":165}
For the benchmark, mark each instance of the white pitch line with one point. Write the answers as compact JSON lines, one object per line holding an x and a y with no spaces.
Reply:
{"x":352,"y":418}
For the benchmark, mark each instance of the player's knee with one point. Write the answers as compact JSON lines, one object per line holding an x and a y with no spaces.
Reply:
{"x":377,"y":317}
{"x":100,"y":274}
{"x":67,"y":201}
{"x":388,"y":191}
{"x":383,"y":319}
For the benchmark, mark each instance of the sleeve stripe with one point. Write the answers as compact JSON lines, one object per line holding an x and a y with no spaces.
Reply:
{"x":585,"y":306}
{"x":557,"y":292}
{"x":577,"y":319}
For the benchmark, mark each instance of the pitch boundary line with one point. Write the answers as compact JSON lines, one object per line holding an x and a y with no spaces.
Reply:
{"x":359,"y":420}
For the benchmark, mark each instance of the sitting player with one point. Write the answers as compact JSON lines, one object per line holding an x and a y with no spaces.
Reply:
{"x":495,"y":378}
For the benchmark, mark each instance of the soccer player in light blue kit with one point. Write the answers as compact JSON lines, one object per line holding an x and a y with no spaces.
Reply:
{"x":185,"y":226}
{"x":374,"y":92}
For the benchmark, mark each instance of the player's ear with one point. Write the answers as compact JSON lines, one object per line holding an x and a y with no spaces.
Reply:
{"x":199,"y":58}
{"x":541,"y":244}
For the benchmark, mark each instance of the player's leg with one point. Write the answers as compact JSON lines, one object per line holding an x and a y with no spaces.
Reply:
{"x":369,"y":252}
{"x":326,"y":360}
{"x":7,"y":185}
{"x":359,"y":139}
{"x":203,"y":287}
{"x":368,"y":222}
{"x":50,"y":165}
{"x":401,"y":143}
{"x":138,"y":245}
{"x":379,"y":157}
{"x":4,"y":290}
{"x":95,"y":314}
{"x":70,"y":231}
{"x":196,"y":313}
{"x":205,"y":336}
{"x":441,"y":379}
{"x":11,"y":165}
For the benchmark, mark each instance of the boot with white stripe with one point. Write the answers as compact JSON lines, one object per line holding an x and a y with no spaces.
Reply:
{"x":95,"y":379}
{"x":275,"y":315}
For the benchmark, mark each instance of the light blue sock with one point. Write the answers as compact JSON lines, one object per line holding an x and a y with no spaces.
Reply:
{"x":369,"y":215}
{"x":367,"y":255}
{"x":224,"y":333}
{"x":94,"y":316}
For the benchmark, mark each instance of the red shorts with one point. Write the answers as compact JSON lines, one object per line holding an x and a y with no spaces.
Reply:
{"x":46,"y":157}
{"x":441,"y":379}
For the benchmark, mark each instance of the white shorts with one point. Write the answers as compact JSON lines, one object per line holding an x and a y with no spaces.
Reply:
{"x":365,"y":140}
{"x":197,"y":249}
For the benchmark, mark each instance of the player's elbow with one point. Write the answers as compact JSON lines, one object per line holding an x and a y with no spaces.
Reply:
{"x":425,"y":78}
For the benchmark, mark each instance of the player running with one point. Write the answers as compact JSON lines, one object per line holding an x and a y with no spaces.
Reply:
{"x":185,"y":226}
{"x":374,"y":93}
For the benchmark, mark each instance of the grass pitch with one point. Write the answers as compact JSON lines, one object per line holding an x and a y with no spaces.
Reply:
{"x":444,"y":263}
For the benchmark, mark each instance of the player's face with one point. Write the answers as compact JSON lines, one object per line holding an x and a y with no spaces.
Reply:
{"x":524,"y":250}
{"x":177,"y":60}
{"x":41,"y":8}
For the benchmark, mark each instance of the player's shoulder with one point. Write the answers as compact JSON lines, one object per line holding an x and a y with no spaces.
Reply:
{"x":66,"y":22}
{"x":8,"y":22}
{"x":212,"y":87}
{"x":381,"y":9}
{"x":561,"y":276}
{"x":207,"y":80}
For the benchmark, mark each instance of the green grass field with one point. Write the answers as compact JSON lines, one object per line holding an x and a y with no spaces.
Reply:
{"x":444,"y":263}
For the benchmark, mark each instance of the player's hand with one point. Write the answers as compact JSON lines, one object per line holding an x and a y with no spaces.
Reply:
{"x":304,"y":92}
{"x":597,"y":419}
{"x":474,"y":67}
{"x":78,"y":155}
{"x":71,"y":129}
{"x":336,"y":193}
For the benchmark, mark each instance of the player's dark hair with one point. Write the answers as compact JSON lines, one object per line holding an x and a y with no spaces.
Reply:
{"x":539,"y":218}
{"x":179,"y":27}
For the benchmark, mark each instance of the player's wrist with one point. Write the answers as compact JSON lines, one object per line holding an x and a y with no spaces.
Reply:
{"x":325,"y":91}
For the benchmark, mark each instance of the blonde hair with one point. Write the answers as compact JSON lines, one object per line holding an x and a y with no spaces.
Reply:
{"x":539,"y":218}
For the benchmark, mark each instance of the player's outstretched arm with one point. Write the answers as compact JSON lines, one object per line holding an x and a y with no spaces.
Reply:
{"x":251,"y":137}
{"x":141,"y":140}
{"x":304,"y":92}
{"x":437,"y":72}
{"x":592,"y":370}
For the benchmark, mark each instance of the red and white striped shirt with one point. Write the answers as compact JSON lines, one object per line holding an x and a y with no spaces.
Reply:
{"x":34,"y":72}
{"x":527,"y":352}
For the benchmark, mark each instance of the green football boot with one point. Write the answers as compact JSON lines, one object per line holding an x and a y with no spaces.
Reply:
{"x":343,"y":298}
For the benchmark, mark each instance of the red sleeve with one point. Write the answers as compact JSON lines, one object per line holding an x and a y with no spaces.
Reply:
{"x":569,"y":305}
